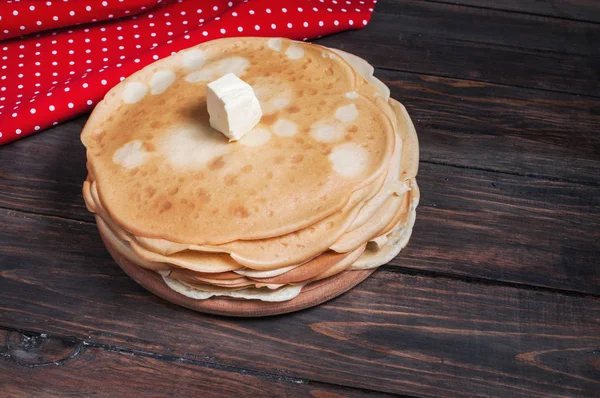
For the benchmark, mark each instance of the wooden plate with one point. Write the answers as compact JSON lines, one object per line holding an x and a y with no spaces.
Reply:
{"x":311,"y":295}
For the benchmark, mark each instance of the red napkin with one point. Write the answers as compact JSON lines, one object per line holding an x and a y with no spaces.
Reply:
{"x":84,"y":47}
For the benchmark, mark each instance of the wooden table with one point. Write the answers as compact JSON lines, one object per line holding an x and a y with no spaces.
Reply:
{"x":497,"y":294}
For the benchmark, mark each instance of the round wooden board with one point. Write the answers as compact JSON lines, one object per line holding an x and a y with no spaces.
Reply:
{"x":311,"y":295}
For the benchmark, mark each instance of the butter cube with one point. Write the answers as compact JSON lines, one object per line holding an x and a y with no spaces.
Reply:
{"x":232,"y":106}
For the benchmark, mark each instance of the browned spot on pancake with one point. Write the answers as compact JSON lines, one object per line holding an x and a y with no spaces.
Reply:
{"x":217,"y":163}
{"x":203,"y":195}
{"x":247,"y":168}
{"x":300,"y":93}
{"x":329,"y":225}
{"x":277,"y":144}
{"x":184,"y":201}
{"x":199,"y":176}
{"x":322,"y":103}
{"x":403,"y":171}
{"x":279,"y":159}
{"x":240,"y":211}
{"x":144,"y":173}
{"x":148,"y":146}
{"x":353,"y":129}
{"x":299,"y":140}
{"x":149,"y":191}
{"x":166,"y":205}
{"x":173,"y":191}
{"x":370,"y":137}
{"x":312,"y":91}
{"x":297,"y":158}
{"x":269,"y":119}
{"x":134,"y":172}
{"x":329,"y":71}
{"x":326,"y":151}
{"x":181,"y":179}
{"x":156,"y":124}
{"x":308,"y":146}
{"x":269,"y":213}
{"x":293,"y":109}
{"x":269,"y":175}
{"x":292,"y":179}
{"x":230,"y":179}
{"x":348,"y":137}
{"x":252,"y":192}
{"x":215,"y":211}
{"x":161,"y":101}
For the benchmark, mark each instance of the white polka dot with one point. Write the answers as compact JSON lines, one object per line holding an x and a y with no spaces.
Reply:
{"x":51,"y":107}
{"x":103,"y":82}
{"x":36,"y":128}
{"x":14,"y":114}
{"x":204,"y":33}
{"x":321,"y":23}
{"x":215,"y":8}
{"x":351,"y":22}
{"x":55,"y":18}
{"x":336,"y":22}
{"x":15,"y":12}
{"x":289,"y":25}
{"x":70,"y":105}
{"x":18,"y":131}
{"x":256,"y":27}
{"x":240,"y":29}
{"x":284,"y":9}
{"x":32,"y":8}
{"x":364,"y":21}
{"x":72,"y":13}
{"x":104,"y":3}
{"x":251,"y":12}
{"x":268,"y":10}
{"x":305,"y":24}
{"x":223,"y":31}
{"x":32,"y":110}
{"x":90,"y":102}
{"x":38,"y":23}
{"x":88,"y":8}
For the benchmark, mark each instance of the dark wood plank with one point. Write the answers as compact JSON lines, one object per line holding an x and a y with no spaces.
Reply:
{"x":479,"y":44}
{"x":486,"y":126}
{"x":470,"y":223}
{"x":508,"y":228}
{"x":460,"y":123}
{"x":581,"y":10}
{"x":393,"y":333}
{"x":44,"y":173}
{"x":34,"y":365}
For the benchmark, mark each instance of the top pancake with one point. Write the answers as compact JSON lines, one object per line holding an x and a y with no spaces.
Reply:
{"x":162,"y":172}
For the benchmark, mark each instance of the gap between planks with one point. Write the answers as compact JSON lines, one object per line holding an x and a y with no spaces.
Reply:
{"x":533,"y":14}
{"x":81,"y":345}
{"x":391,"y":268}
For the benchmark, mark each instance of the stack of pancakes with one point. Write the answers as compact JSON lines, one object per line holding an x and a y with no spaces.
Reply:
{"x":324,"y":184}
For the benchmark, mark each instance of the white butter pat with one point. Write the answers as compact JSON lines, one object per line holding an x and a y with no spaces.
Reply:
{"x":233,"y":107}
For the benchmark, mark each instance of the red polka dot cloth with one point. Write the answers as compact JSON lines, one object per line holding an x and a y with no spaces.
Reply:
{"x":58,"y":58}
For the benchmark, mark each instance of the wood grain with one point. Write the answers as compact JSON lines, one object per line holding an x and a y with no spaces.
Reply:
{"x":34,"y":365}
{"x":467,"y":124}
{"x":582,"y":10}
{"x":470,"y":222}
{"x":479,"y":44}
{"x":394,"y":333}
